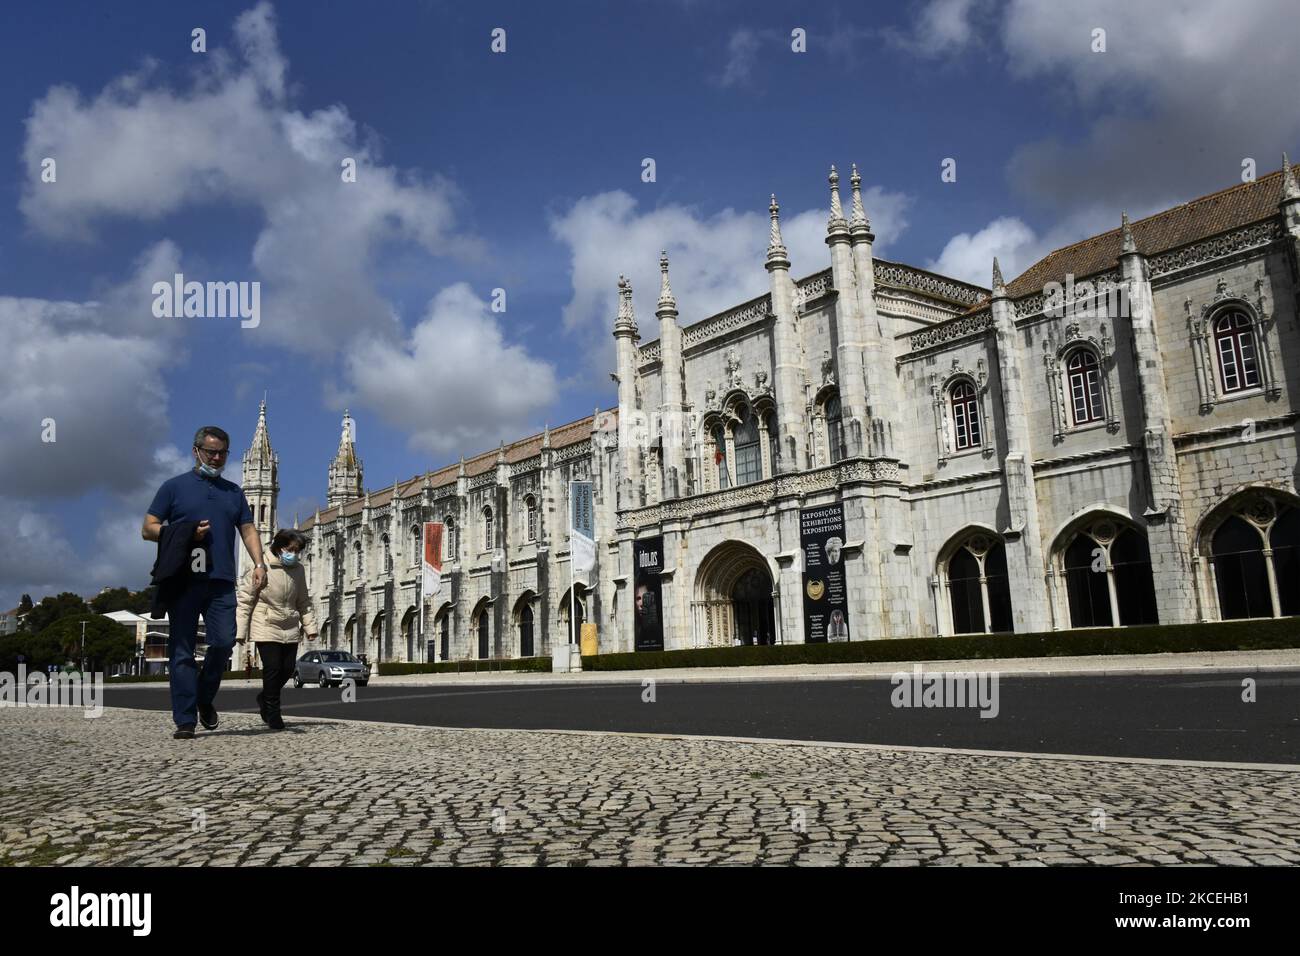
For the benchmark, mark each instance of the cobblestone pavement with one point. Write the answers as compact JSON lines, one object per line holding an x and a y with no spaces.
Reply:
{"x":117,"y":790}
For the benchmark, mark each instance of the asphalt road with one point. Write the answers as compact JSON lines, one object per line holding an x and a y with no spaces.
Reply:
{"x":1189,"y":717}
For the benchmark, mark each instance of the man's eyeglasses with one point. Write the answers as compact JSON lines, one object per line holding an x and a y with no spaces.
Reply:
{"x":210,"y":454}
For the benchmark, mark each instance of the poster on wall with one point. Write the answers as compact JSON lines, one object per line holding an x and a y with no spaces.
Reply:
{"x":648,"y":627}
{"x":825,"y":593}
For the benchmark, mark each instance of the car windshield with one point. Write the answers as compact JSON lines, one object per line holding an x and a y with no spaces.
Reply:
{"x":335,"y":657}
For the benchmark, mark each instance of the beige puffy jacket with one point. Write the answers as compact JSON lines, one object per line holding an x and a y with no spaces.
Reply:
{"x":276,"y":612}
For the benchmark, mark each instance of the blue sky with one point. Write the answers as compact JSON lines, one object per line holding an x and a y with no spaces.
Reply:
{"x":521,"y":171}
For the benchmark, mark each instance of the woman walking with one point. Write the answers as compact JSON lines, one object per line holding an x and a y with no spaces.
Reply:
{"x":272,"y":617}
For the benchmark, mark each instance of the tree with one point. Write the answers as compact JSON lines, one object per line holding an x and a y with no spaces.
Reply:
{"x":107,"y":642}
{"x":112,"y":599}
{"x":25,"y":605}
{"x":52,"y":609}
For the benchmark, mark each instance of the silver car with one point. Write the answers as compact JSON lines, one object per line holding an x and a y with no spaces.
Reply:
{"x":326,"y":668}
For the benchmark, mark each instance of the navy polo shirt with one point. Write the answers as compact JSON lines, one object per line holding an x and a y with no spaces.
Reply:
{"x":191,"y":497}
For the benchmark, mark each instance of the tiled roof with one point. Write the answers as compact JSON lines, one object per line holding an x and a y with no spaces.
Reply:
{"x":1189,"y":222}
{"x":561,"y":437}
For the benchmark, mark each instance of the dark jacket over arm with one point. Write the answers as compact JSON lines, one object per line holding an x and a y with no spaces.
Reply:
{"x":171,"y":569}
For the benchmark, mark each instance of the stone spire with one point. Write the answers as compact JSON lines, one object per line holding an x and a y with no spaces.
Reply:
{"x":837,"y":224}
{"x":1290,"y":190}
{"x":461,"y":473}
{"x":260,"y":450}
{"x":261,"y":484}
{"x":626,"y":315}
{"x":501,"y":453}
{"x":859,"y":223}
{"x":546,"y":435}
{"x":667,"y":303}
{"x":999,"y":286}
{"x":776,"y":251}
{"x":345,"y":474}
{"x":1127,"y":244}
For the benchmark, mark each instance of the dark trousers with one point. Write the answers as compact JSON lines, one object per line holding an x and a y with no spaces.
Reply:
{"x":277,"y":667}
{"x":192,"y":687}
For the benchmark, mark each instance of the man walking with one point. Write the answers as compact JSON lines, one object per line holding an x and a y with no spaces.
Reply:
{"x":214,"y":508}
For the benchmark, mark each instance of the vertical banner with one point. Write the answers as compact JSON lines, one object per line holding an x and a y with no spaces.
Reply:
{"x":825,"y":594}
{"x":582,"y":527}
{"x":648,"y":628}
{"x":431,"y":565}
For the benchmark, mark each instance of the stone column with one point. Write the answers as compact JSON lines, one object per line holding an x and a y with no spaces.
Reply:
{"x":1025,"y":556}
{"x":1166,"y":530}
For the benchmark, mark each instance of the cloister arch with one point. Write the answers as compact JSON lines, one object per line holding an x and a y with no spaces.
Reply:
{"x":1248,"y":551}
{"x":974,"y":590}
{"x":1101,"y":571}
{"x":734,"y":598}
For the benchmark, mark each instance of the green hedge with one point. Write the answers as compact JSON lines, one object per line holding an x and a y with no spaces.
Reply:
{"x":528,"y":664}
{"x":1151,"y":639}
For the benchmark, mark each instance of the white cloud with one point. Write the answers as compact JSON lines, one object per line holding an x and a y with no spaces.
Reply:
{"x":1181,"y":95}
{"x":715,"y":261}
{"x":742,"y":54}
{"x":969,"y":256}
{"x":456,"y":382}
{"x":140,"y":150}
{"x":39,"y":558}
{"x":940,"y":28}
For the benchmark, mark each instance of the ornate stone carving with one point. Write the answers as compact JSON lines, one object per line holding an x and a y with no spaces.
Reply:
{"x":724,"y":322}
{"x":760,"y":381}
{"x":733,"y":370}
{"x":760,"y":493}
{"x":950,"y":331}
{"x":1216,"y":247}
{"x":903,"y":277}
{"x":828,"y":368}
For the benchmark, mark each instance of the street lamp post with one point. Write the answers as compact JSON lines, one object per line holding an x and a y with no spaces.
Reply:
{"x":83,"y":647}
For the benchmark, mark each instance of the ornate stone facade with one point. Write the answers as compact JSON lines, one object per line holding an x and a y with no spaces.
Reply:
{"x":1093,"y":443}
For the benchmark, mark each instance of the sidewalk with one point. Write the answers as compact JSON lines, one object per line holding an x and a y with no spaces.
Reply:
{"x":1112,"y":665}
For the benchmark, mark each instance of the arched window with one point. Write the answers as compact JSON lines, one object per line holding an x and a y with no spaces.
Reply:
{"x":416,"y":540}
{"x":1108,"y":580}
{"x":1085,"y":386}
{"x":449,"y":538}
{"x":979,"y":590}
{"x":749,"y":455}
{"x":965,"y":416}
{"x":530,"y":504}
{"x":1234,"y":343}
{"x":835,"y":428}
{"x":334,"y":567}
{"x":444,"y":638}
{"x":356,"y":550}
{"x":262,"y":510}
{"x":720,"y":456}
{"x":1255,"y":554}
{"x":487,"y":529}
{"x":388,"y":553}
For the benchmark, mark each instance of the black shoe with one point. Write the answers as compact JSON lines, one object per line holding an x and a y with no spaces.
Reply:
{"x":208,"y":717}
{"x":184,"y":732}
{"x":261,"y":709}
{"x":275,"y":722}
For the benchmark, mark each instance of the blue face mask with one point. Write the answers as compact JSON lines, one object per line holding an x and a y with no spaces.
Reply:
{"x":208,"y":471}
{"x":288,"y":559}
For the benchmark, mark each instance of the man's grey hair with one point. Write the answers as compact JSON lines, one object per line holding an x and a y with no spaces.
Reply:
{"x":212,"y":430}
